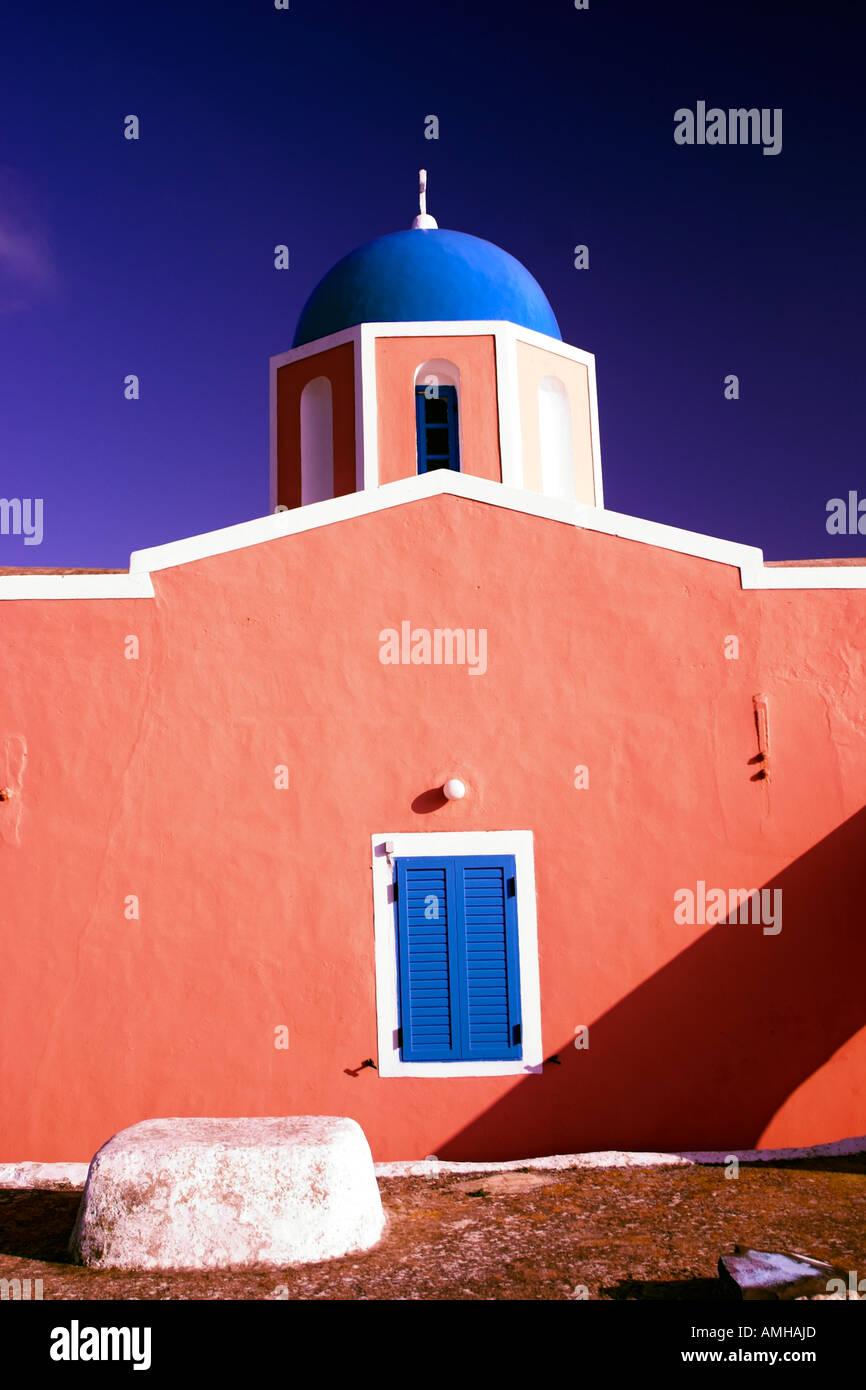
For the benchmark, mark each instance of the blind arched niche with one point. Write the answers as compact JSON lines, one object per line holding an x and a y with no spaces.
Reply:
{"x":554,"y":440}
{"x":317,"y":441}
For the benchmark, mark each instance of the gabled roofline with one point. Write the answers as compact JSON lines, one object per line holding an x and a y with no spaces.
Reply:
{"x":413,"y":489}
{"x":754,"y":574}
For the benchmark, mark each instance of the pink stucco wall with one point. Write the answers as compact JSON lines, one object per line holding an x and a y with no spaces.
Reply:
{"x":155,"y":778}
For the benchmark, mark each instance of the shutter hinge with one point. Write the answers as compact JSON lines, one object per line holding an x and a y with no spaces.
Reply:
{"x":512,"y":887}
{"x":517,"y":1034}
{"x":400,"y":1037}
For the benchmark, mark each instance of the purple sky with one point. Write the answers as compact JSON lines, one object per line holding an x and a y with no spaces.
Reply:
{"x":306,"y":127}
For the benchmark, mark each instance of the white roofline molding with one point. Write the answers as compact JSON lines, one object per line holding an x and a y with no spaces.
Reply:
{"x":345,"y":335}
{"x":15,"y":586}
{"x":748,"y":559}
{"x":804,"y":576}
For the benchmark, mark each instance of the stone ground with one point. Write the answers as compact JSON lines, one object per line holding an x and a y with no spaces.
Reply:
{"x":652,"y":1233}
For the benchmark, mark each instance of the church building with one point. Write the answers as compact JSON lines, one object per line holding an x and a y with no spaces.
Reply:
{"x":441,"y":797}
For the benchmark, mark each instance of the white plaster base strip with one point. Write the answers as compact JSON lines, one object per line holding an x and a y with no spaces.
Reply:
{"x":616,"y":1158}
{"x":612,"y":1158}
{"x":33,"y":1175}
{"x":838,"y":1149}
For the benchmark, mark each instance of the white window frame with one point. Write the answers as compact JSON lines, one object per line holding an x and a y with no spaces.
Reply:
{"x":391,"y":845}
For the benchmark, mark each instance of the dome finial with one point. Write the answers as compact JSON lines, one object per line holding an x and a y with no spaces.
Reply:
{"x":423,"y":220}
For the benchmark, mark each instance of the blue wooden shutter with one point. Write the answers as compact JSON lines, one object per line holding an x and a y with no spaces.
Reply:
{"x":458,"y":959}
{"x":426,"y":951}
{"x":490,"y":1008}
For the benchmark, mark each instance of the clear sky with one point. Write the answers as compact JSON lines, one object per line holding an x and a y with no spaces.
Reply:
{"x":306,"y":127}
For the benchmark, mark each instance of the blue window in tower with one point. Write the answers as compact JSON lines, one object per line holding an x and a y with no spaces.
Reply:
{"x":436,"y":429}
{"x":457,"y":959}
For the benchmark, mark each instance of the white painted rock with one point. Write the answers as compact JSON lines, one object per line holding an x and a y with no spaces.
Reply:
{"x":215,"y":1194}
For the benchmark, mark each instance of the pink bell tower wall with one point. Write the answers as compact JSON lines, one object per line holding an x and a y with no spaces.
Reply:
{"x":397,"y":360}
{"x":337,"y":364}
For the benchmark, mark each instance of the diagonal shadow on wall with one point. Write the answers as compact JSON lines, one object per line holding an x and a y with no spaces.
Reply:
{"x":706,"y":1050}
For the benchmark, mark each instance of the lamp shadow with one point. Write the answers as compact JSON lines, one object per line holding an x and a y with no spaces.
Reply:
{"x":432,"y":800}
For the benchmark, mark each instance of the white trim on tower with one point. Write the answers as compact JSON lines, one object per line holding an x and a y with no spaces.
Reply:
{"x":370,"y":412}
{"x":508,"y":400}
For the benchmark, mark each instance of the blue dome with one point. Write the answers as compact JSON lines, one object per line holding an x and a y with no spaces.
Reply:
{"x":421,"y":275}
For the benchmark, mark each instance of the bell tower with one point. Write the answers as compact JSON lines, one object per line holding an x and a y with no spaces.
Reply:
{"x":428,"y":349}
